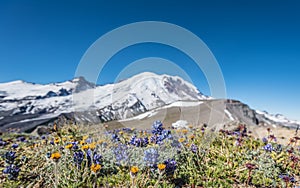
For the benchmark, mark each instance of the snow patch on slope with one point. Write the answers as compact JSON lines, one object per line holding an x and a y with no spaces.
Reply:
{"x":229,"y":115}
{"x":183,"y":104}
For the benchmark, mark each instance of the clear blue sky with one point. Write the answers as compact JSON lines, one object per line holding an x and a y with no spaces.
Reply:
{"x":256,"y":43}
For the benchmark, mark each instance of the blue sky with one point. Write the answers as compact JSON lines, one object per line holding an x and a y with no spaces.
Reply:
{"x":256,"y":43}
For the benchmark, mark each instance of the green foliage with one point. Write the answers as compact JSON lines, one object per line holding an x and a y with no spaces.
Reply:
{"x":209,"y":159}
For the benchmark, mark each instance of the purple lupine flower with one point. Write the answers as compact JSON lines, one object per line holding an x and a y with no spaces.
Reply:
{"x":139,"y":142}
{"x":89,"y":140}
{"x":121,"y":153}
{"x":2,"y":143}
{"x":132,"y":140}
{"x":236,"y":133}
{"x":265,"y":140}
{"x":170,"y":166}
{"x":12,"y":171}
{"x":75,"y":145}
{"x":115,"y":138}
{"x":151,"y":157}
{"x":21,"y":139}
{"x":78,"y":158}
{"x":10,"y":157}
{"x":145,"y":141}
{"x":15,"y":145}
{"x":194,"y":148}
{"x":126,"y":129}
{"x":157,"y":127}
{"x":89,"y":156}
{"x":97,"y":158}
{"x":287,"y":178}
{"x":268,"y":147}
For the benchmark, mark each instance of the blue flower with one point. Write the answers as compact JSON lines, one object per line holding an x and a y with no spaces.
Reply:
{"x":145,"y":141}
{"x":12,"y":171}
{"x":265,"y":140}
{"x":121,"y":153}
{"x":159,"y":133}
{"x":115,"y":137}
{"x":10,"y":157}
{"x":236,"y":133}
{"x":170,"y":166}
{"x":268,"y":147}
{"x":78,"y":158}
{"x":21,"y":139}
{"x":75,"y":145}
{"x":126,"y":129}
{"x":139,"y":142}
{"x":97,"y":158}
{"x":89,"y":140}
{"x":151,"y":157}
{"x":14,"y":145}
{"x":157,"y":127}
{"x":2,"y":143}
{"x":287,"y":178}
{"x":194,"y":148}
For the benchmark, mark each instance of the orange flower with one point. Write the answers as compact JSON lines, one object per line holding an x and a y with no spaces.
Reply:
{"x":192,"y":137}
{"x":69,"y":146}
{"x":55,"y":156}
{"x":181,"y":140}
{"x":92,"y":145}
{"x":85,"y":147}
{"x":82,"y":142}
{"x":95,"y":167}
{"x":134,"y":169}
{"x":161,"y":166}
{"x":184,"y":131}
{"x":56,"y":141}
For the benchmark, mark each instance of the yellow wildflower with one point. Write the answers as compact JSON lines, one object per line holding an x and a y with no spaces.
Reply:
{"x":181,"y":140}
{"x":192,"y":137}
{"x":134,"y":169}
{"x":85,"y":147}
{"x":69,"y":146}
{"x":82,"y":142}
{"x":184,"y":131}
{"x":55,"y":156}
{"x":95,"y":167}
{"x":56,"y":141}
{"x":161,"y":166}
{"x":92,"y":145}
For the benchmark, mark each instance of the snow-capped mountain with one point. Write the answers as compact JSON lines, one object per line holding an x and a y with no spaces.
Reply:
{"x":26,"y":105}
{"x":278,"y":119}
{"x":238,"y":111}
